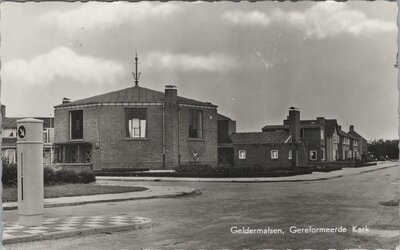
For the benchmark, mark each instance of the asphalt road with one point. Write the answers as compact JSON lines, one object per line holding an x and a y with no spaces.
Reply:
{"x":205,"y":221}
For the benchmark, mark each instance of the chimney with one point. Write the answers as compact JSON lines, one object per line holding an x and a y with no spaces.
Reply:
{"x":340,"y":127}
{"x":321,"y":120}
{"x":171,"y":95}
{"x":66,"y":100}
{"x":171,"y":157}
{"x":3,"y":111}
{"x":286,"y":121}
{"x":294,"y":124}
{"x":351,"y":127}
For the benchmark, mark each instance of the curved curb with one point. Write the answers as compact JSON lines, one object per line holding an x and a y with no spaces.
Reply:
{"x":175,"y":195}
{"x":74,"y":233}
{"x":221,"y":180}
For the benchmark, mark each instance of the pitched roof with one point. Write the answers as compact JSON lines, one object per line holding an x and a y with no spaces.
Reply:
{"x":260,"y":137}
{"x":342,"y":133}
{"x":132,"y":94}
{"x":355,"y":134}
{"x":275,"y":127}
{"x":10,"y":122}
{"x":286,"y":127}
{"x":222,"y":117}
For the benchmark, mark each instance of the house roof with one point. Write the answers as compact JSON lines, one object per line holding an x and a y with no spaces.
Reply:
{"x":331,"y":125}
{"x":11,"y":122}
{"x":286,"y":127}
{"x":132,"y":94}
{"x":310,"y":125}
{"x":260,"y":137}
{"x":275,"y":127}
{"x":222,"y":117}
{"x":342,"y":133}
{"x":355,"y":134}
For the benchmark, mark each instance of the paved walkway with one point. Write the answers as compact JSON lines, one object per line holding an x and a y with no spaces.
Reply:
{"x":54,"y":228}
{"x":151,"y":193}
{"x":307,"y":177}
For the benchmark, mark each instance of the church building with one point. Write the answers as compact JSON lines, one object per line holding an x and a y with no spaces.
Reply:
{"x":136,"y":127}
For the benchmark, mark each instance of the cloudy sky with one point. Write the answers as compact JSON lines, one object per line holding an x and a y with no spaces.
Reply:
{"x":253,"y":60}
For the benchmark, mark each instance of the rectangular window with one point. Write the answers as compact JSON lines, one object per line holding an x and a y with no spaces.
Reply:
{"x":195,"y":124}
{"x":322,"y":134}
{"x":76,"y":124}
{"x":313,"y":155}
{"x":290,"y":154}
{"x":135,"y":122}
{"x":45,"y":136}
{"x":301,"y":133}
{"x":322,"y":153}
{"x":242,"y":154}
{"x":274,"y":154}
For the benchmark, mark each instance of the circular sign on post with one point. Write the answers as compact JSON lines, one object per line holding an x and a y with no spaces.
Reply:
{"x":21,"y":132}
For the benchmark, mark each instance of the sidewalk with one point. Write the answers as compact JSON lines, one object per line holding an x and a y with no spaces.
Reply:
{"x":315,"y":176}
{"x":151,"y":193}
{"x":55,"y":228}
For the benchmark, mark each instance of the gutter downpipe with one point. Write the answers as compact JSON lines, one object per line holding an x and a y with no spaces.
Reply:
{"x":163,"y":135}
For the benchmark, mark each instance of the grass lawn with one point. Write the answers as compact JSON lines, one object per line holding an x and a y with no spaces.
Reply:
{"x":10,"y":194}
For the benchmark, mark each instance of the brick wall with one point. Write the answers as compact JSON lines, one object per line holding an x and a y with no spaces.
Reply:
{"x":259,"y":155}
{"x":312,"y":141}
{"x":117,"y":150}
{"x":205,"y":147}
{"x":105,"y":126}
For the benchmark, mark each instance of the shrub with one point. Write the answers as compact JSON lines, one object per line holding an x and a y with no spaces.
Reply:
{"x":87,"y":177}
{"x":195,"y":168}
{"x":9,"y":175}
{"x":66,"y":176}
{"x":49,"y":176}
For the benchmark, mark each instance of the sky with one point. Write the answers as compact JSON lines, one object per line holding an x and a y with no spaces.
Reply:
{"x":254,"y":60}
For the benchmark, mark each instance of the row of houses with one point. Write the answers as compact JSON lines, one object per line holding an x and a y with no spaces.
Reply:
{"x":299,"y":142}
{"x":9,"y":138}
{"x":138,"y":127}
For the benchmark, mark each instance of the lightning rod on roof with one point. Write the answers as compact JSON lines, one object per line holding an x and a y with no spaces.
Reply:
{"x":136,"y":74}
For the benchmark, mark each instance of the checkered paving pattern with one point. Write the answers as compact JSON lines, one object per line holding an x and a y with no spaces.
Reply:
{"x":59,"y":225}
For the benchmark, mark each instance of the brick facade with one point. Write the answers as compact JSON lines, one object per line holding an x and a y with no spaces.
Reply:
{"x":258,"y":146}
{"x":166,"y":144}
{"x":259,"y":155}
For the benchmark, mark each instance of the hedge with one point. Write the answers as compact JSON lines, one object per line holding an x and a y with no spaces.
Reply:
{"x":50,"y":177}
{"x":9,"y":176}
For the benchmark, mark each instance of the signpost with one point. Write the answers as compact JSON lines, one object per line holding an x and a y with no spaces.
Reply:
{"x":30,"y":171}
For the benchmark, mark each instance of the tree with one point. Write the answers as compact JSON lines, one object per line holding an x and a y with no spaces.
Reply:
{"x":384,"y":148}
